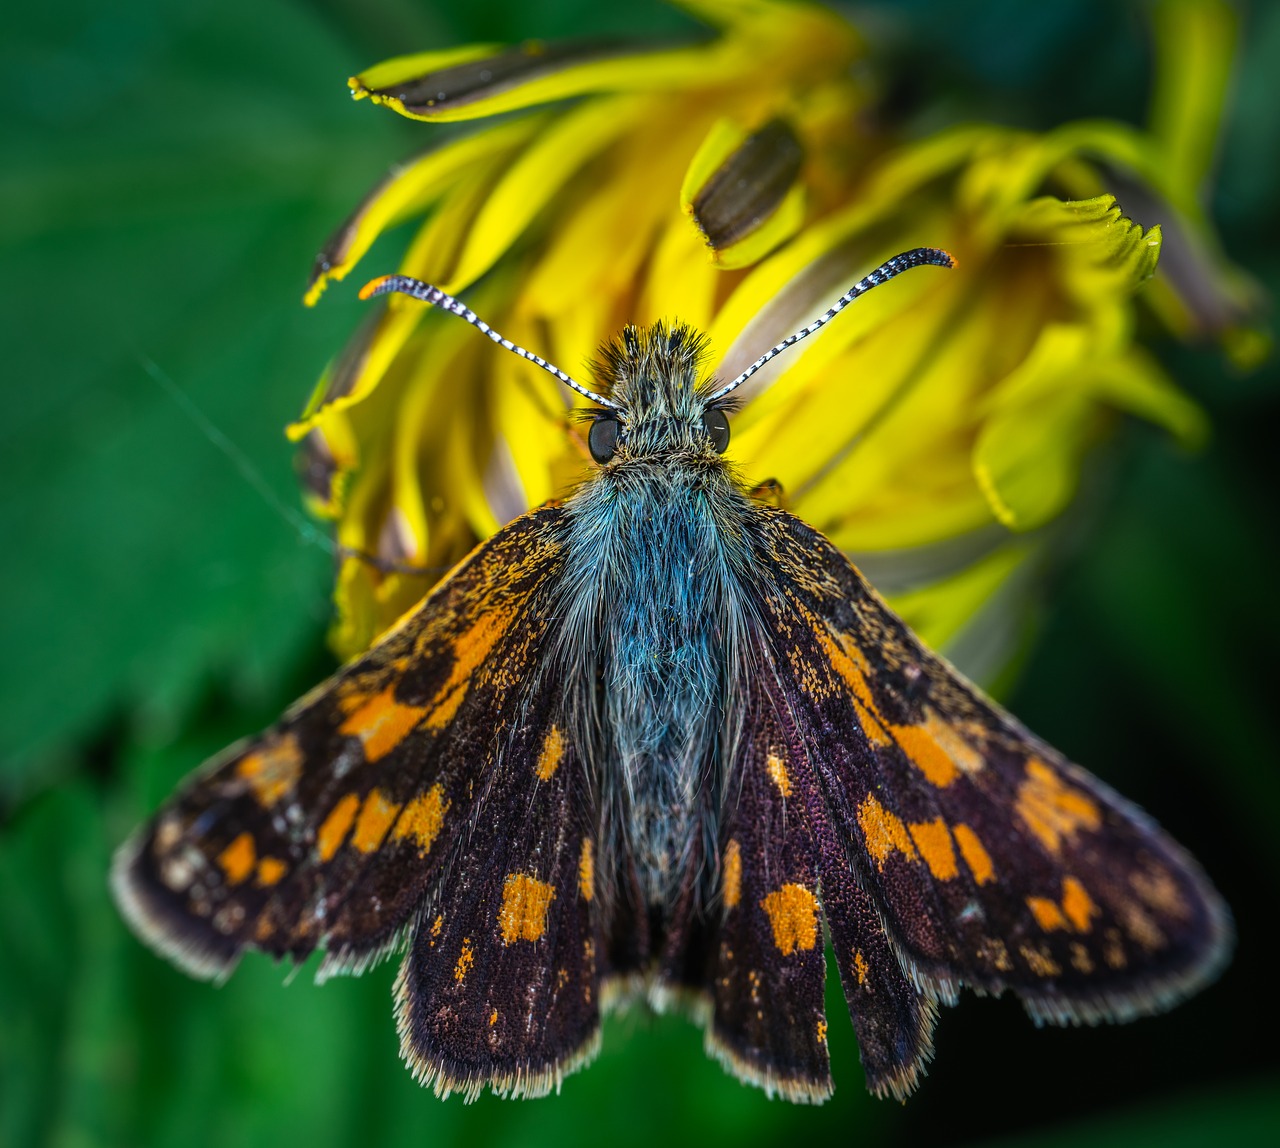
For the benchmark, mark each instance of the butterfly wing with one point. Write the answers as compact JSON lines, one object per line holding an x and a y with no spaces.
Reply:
{"x":949,"y":838}
{"x":421,"y":796}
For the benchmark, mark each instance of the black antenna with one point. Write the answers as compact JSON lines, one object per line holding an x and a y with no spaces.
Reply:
{"x":882,"y":274}
{"x":417,"y":289}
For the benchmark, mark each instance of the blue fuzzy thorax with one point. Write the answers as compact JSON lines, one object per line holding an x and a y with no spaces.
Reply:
{"x":654,"y":618}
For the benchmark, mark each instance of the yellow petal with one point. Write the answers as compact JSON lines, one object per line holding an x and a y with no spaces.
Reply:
{"x":1195,"y":44}
{"x":407,"y":191}
{"x":538,"y":175}
{"x":1027,"y":457}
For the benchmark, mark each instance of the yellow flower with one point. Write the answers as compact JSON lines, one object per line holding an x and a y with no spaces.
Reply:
{"x":935,"y":431}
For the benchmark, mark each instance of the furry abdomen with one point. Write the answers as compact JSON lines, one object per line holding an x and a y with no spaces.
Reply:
{"x":655,"y":621}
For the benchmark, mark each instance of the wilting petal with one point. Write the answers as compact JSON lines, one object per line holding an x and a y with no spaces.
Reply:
{"x":741,"y":190}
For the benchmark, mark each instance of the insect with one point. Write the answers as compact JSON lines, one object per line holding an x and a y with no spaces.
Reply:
{"x":645,"y":744}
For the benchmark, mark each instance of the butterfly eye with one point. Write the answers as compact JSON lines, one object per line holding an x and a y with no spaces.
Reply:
{"x":602,"y":439}
{"x":718,"y":428}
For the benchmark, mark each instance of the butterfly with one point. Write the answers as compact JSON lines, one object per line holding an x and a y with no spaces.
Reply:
{"x":661,"y":741}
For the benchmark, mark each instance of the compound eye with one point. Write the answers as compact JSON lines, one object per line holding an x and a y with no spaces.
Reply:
{"x":602,"y":438}
{"x":717,"y":426}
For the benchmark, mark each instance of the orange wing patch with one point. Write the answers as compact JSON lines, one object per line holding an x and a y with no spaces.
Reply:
{"x":238,"y":859}
{"x":376,"y":816}
{"x":380,"y":721}
{"x":422,"y":818}
{"x":777,"y":769}
{"x":587,"y":871}
{"x":933,"y":840}
{"x":272,"y":771}
{"x":852,"y":666}
{"x":1052,"y":809}
{"x":469,"y":650}
{"x":270,"y":870}
{"x":552,"y":754}
{"x":883,"y":832}
{"x":525,"y":901}
{"x":334,"y":829}
{"x":732,"y":874}
{"x":1074,"y":912}
{"x":793,"y":915}
{"x":466,"y":959}
{"x":974,"y":854}
{"x":937,"y":749}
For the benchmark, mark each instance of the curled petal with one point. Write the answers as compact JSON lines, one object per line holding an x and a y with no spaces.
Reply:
{"x":490,"y":79}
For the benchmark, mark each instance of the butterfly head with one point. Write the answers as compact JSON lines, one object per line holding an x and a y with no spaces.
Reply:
{"x":656,"y":406}
{"x":658,"y":399}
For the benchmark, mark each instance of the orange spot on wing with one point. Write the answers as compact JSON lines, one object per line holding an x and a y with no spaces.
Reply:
{"x":493,"y":1018}
{"x":586,"y":871}
{"x":926,"y":754}
{"x":732,"y":874}
{"x":993,"y":949}
{"x":777,"y":769}
{"x":883,"y":832}
{"x":860,"y":967}
{"x":934,"y":842}
{"x":793,"y":915}
{"x":1047,"y":914}
{"x":851,"y":664}
{"x":470,"y":648}
{"x":822,"y":1032}
{"x":466,"y":959}
{"x":376,"y":816}
{"x":333,"y":830}
{"x":422,"y":818}
{"x":552,"y":754}
{"x":1158,"y":888}
{"x":975,"y":856}
{"x":238,"y":859}
{"x":1077,"y":905}
{"x":1140,"y":927}
{"x":1075,"y":911}
{"x":1039,"y":961}
{"x":937,"y":749}
{"x":272,"y":770}
{"x":270,"y":870}
{"x":381,"y":722}
{"x":1051,"y":809}
{"x":525,"y":901}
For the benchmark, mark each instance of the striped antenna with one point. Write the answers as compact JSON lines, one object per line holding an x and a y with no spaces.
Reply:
{"x":882,"y":274}
{"x":417,"y":289}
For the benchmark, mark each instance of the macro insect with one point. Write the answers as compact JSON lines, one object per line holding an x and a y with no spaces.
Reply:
{"x":658,"y":742}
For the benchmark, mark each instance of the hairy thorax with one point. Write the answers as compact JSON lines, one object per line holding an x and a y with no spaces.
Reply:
{"x":653,"y":701}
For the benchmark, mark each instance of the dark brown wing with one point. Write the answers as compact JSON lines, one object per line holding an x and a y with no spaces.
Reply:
{"x":424,"y":796}
{"x":953,"y":839}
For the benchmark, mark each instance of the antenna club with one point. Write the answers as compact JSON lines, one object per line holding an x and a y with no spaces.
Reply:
{"x":379,"y":286}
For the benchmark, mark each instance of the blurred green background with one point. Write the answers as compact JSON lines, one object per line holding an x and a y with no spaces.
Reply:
{"x":169,"y":169}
